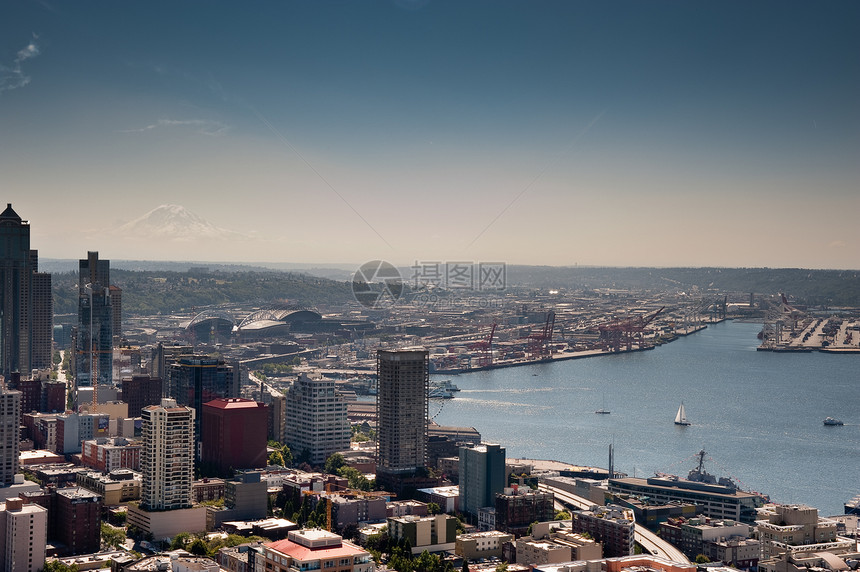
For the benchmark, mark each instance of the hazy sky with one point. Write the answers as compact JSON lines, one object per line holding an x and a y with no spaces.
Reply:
{"x":693,"y":133}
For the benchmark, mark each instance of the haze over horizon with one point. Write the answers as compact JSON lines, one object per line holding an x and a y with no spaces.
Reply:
{"x":548,"y":133}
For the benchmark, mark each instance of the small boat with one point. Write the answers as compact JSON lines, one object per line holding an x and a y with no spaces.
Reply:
{"x":832,"y":421}
{"x":603,"y":410}
{"x":681,"y":416}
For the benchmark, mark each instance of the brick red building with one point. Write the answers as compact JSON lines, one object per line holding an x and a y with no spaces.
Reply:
{"x":234,"y":434}
{"x":108,"y":454}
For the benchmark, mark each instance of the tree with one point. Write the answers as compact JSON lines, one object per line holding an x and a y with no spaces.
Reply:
{"x":426,"y":562}
{"x":275,"y":458}
{"x":180,"y":540}
{"x":502,"y":567}
{"x":333,"y":463}
{"x":465,"y":565}
{"x":562,"y":515}
{"x":198,"y":547}
{"x":433,"y":508}
{"x":702,"y":559}
{"x":57,"y":566}
{"x":112,"y":537}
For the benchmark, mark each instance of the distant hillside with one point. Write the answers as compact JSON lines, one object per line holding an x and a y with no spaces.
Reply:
{"x":814,"y":287}
{"x":150,"y":292}
{"x":165,"y":291}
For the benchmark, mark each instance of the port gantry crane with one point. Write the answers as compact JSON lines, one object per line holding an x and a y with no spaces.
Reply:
{"x":540,"y":343}
{"x":623,"y":333}
{"x":484,"y":348}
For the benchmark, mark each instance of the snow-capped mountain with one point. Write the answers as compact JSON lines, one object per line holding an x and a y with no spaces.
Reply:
{"x":175,"y":222}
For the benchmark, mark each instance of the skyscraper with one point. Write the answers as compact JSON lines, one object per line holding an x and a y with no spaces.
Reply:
{"x":95,"y":321}
{"x":315,"y":420}
{"x":482,"y":476}
{"x":403,"y":377}
{"x":26,"y":329}
{"x":167,"y":458}
{"x":10,"y":421}
{"x":195,"y":380}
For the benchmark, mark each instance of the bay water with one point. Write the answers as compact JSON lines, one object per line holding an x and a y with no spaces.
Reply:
{"x":758,"y":415}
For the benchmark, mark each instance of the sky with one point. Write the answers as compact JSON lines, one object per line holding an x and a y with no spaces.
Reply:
{"x":704,"y":133}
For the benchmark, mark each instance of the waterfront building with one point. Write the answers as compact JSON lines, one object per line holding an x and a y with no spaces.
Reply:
{"x":403,"y":378}
{"x":23,"y":536}
{"x":695,"y":535}
{"x":611,"y":525}
{"x":26,"y":308}
{"x":797,"y":529}
{"x":316,"y":423}
{"x":555,"y":542}
{"x":141,"y":391}
{"x":482,"y":476}
{"x":315,"y":550}
{"x":517,"y":508}
{"x":10,"y":420}
{"x":481,"y":544}
{"x":432,"y":533}
{"x":94,"y":338}
{"x":234,"y":435}
{"x":717,"y":501}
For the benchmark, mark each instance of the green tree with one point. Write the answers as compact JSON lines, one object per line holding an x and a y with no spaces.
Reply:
{"x":199,"y":547}
{"x":426,"y":562}
{"x":355,"y":478}
{"x":502,"y":567}
{"x":333,"y":463}
{"x":275,"y":458}
{"x":702,"y":559}
{"x":465,"y":567}
{"x":562,"y":515}
{"x":180,"y":541}
{"x":112,"y":537}
{"x":57,"y":566}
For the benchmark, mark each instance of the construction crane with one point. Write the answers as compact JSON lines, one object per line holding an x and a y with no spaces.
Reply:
{"x":623,"y":333}
{"x":484,"y":348}
{"x":540,"y":343}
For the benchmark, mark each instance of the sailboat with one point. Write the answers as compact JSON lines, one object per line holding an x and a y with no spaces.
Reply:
{"x":603,"y":410}
{"x":681,"y":416}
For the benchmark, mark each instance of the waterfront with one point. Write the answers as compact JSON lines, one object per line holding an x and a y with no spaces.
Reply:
{"x":757,"y":414}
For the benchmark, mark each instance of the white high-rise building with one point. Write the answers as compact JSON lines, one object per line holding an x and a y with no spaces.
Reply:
{"x":10,"y":416}
{"x":315,"y":419}
{"x":167,"y":457}
{"x":23,"y":536}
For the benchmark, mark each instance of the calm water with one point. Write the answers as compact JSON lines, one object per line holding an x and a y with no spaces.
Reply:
{"x":757,"y":414}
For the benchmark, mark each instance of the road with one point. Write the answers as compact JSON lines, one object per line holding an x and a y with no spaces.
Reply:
{"x":650,"y":542}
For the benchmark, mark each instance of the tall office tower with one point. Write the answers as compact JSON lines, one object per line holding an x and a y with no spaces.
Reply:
{"x":94,"y":345}
{"x":23,"y":536}
{"x":116,"y":308}
{"x":315,"y":419}
{"x":403,"y":378}
{"x":167,"y":458}
{"x":10,"y":421}
{"x":140,"y":391}
{"x":234,"y":435}
{"x":25,"y":300}
{"x":482,"y":476}
{"x":195,"y":380}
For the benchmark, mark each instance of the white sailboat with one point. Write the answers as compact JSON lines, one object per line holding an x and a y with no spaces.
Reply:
{"x":681,"y":416}
{"x":603,"y":410}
